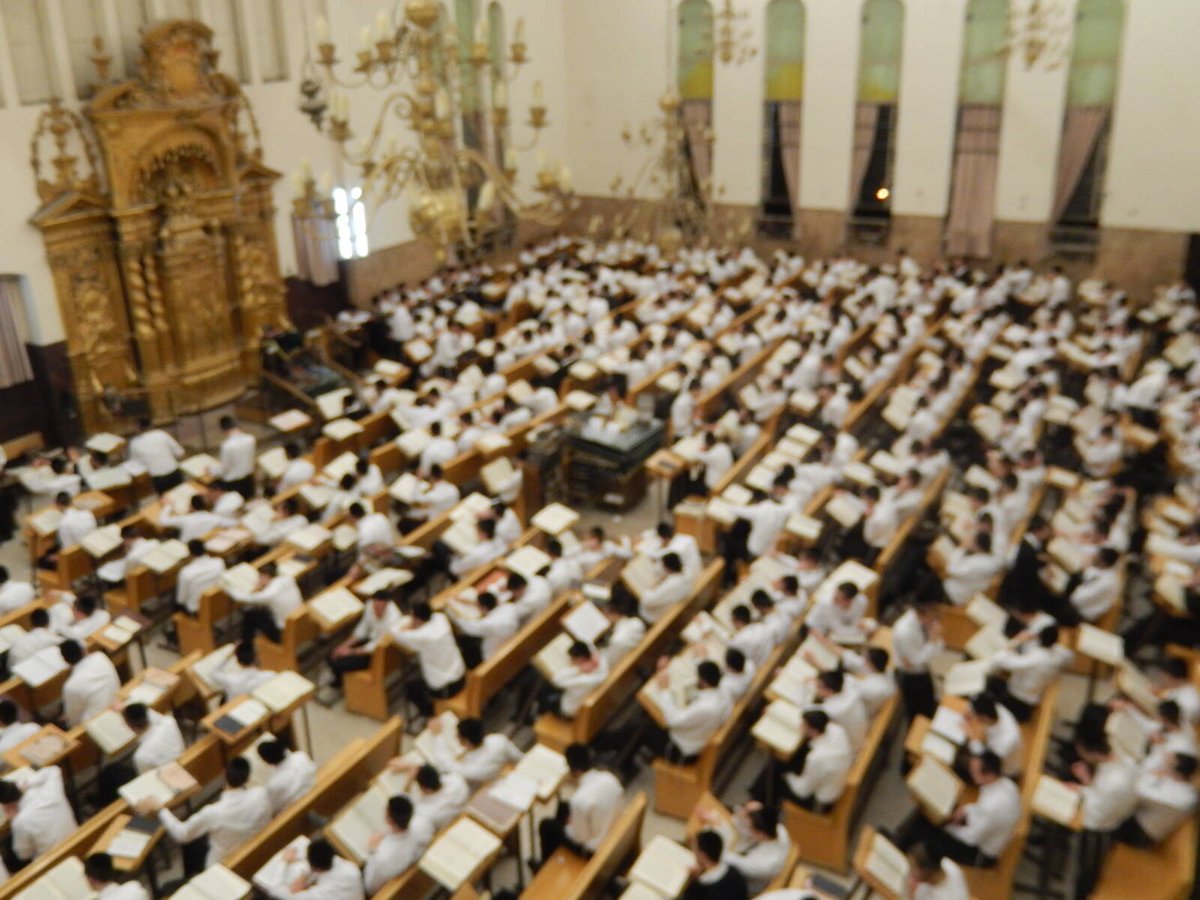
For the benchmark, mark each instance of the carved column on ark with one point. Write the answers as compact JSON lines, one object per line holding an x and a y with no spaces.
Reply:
{"x":144,"y":333}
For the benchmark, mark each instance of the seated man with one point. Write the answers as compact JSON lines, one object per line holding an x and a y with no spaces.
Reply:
{"x":990,"y":726}
{"x":931,"y":877}
{"x":690,"y":727}
{"x":92,"y":685}
{"x":12,"y":730}
{"x":430,"y":637}
{"x":815,"y":776}
{"x":101,"y":876}
{"x":765,"y":844}
{"x":395,"y":850}
{"x":477,"y":757}
{"x":14,"y":594}
{"x":239,"y":674}
{"x":841,"y":616}
{"x":570,"y":686}
{"x":322,"y":875}
{"x":292,"y":773}
{"x":379,"y":618}
{"x":582,"y":824}
{"x":715,"y":878}
{"x":1166,"y":798}
{"x":38,"y":812}
{"x":977,"y":833}
{"x":674,"y":587}
{"x":440,"y":798}
{"x":268,"y":606}
{"x":199,"y":574}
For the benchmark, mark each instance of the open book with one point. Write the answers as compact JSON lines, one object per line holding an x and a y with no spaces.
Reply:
{"x":383,"y":580}
{"x":585,"y":622}
{"x":779,"y":727}
{"x":110,"y":733}
{"x":458,"y":853}
{"x":333,"y":403}
{"x":1100,"y":645}
{"x":1137,"y":687}
{"x":341,"y":429}
{"x":845,"y":509}
{"x":935,"y":787}
{"x":41,"y":667}
{"x":65,"y":881}
{"x":663,"y":866}
{"x":554,"y":518}
{"x":546,"y":767}
{"x":527,"y":561}
{"x":888,"y":865}
{"x":291,"y":420}
{"x":552,"y":658}
{"x":166,"y":556}
{"x":273,"y":463}
{"x":984,"y":612}
{"x":162,"y":785}
{"x":335,"y":607}
{"x":497,"y":474}
{"x":310,"y":537}
{"x":1055,"y":800}
{"x":214,"y":883}
{"x":200,"y":466}
{"x":102,"y":541}
{"x":986,"y":643}
{"x":45,"y":522}
{"x":640,"y":575}
{"x":241,"y":579}
{"x":966,"y":679}
{"x":283,"y":690}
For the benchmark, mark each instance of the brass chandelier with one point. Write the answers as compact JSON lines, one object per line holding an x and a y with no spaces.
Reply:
{"x":456,"y":194}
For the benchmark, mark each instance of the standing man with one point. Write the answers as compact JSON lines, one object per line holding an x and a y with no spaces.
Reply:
{"x":239,"y":452}
{"x":160,"y":453}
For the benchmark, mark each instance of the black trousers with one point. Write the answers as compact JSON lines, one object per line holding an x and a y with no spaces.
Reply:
{"x":916,"y":691}
{"x":921,"y":831}
{"x":113,"y":777}
{"x":351,"y":662}
{"x":258,"y":619}
{"x":164,"y":483}
{"x":1021,"y":710}
{"x":552,"y":834}
{"x":736,"y":549}
{"x":422,"y":695}
{"x":243,"y":486}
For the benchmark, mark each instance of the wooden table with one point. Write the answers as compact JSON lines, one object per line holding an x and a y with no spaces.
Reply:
{"x":130,"y":866}
{"x":15,"y":755}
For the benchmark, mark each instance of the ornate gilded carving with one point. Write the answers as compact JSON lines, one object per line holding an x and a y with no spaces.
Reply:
{"x":167,"y":231}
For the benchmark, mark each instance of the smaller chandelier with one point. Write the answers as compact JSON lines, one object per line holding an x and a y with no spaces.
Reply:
{"x":734,"y":39}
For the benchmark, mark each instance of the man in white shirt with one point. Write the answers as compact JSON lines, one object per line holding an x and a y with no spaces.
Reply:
{"x":673,"y":588}
{"x":394,"y":851}
{"x":842,"y":615}
{"x":322,"y":876}
{"x":763,"y":848}
{"x":932,"y":879}
{"x":977,"y":833}
{"x":753,"y":638}
{"x":761,"y":524}
{"x":990,"y":726}
{"x":37,"y":638}
{"x":439,"y":451}
{"x":690,"y":727}
{"x":434,"y":498}
{"x":430,"y":637}
{"x":1109,"y":784}
{"x":38,"y":812}
{"x":581,"y":825}
{"x":488,"y":549}
{"x":469,"y":752}
{"x":197,"y":522}
{"x":496,"y":624}
{"x":1099,"y":587}
{"x":293,"y":774}
{"x":159,"y":741}
{"x":916,"y":640}
{"x":440,"y":798}
{"x":1032,"y":661}
{"x":240,"y":674}
{"x":1166,"y":798}
{"x":221,"y":827}
{"x":269,"y":604}
{"x":971,"y":571}
{"x":380,"y":616}
{"x":13,"y":594}
{"x":199,"y":574}
{"x":715,"y":460}
{"x":92,"y":685}
{"x":570,"y":686}
{"x":160,"y":453}
{"x":73,"y":527}
{"x":101,"y":877}
{"x":12,"y":730}
{"x":815,"y":776}
{"x":298,"y":470}
{"x":238,"y":458}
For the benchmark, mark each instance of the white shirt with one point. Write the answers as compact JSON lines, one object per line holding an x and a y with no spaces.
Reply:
{"x":161,"y":743}
{"x":14,"y":595}
{"x":691,"y":726}
{"x":195,"y":578}
{"x":437,"y":498}
{"x":17,"y":732}
{"x":1004,"y":739}
{"x":1111,"y":798}
{"x":371,"y":629}
{"x":157,"y":451}
{"x":75,"y":525}
{"x":441,"y":807}
{"x":595,"y":805}
{"x":760,"y":862}
{"x":1030,"y":670}
{"x":625,"y":636}
{"x":297,"y":472}
{"x":493,"y":629}
{"x":480,"y":764}
{"x":832,"y":620}
{"x":952,"y":887}
{"x":238,"y":456}
{"x":577,"y":684}
{"x":396,"y":853}
{"x":479,"y":555}
{"x":343,"y":881}
{"x":755,"y":641}
{"x":290,"y":780}
{"x":233,"y":679}
{"x":437,"y":653}
{"x":280,"y":596}
{"x":130,"y":890}
{"x":767,"y":520}
{"x":375,"y":528}
{"x":1163,"y":804}
{"x":30,"y":643}
{"x":535,"y":598}
{"x":825,"y":768}
{"x":90,"y":688}
{"x":967,"y":574}
{"x":911,"y":647}
{"x":655,"y":602}
{"x":1097,"y":592}
{"x":991,"y":819}
{"x":230,"y":821}
{"x":44,"y":816}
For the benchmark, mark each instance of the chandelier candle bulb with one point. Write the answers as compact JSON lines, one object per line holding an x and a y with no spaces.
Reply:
{"x":539,"y":94}
{"x":364,"y":38}
{"x":325,"y":185}
{"x":500,"y":96}
{"x":510,"y":159}
{"x":487,"y":197}
{"x":321,"y":30}
{"x":383,"y":27}
{"x":519,"y":32}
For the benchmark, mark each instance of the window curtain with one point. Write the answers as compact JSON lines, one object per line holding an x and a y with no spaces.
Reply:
{"x":789,"y":141}
{"x":972,"y":199}
{"x":697,"y":119}
{"x":316,"y":249}
{"x":866,"y":119}
{"x":1081,"y":131}
{"x":14,"y":358}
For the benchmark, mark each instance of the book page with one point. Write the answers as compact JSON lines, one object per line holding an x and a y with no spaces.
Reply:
{"x":663,"y":865}
{"x":585,"y":622}
{"x":935,"y":786}
{"x":1055,"y":800}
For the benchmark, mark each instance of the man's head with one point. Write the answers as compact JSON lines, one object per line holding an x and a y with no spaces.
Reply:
{"x":470,"y":733}
{"x":137,"y":717}
{"x":237,"y":772}
{"x":579,"y":758}
{"x":985,"y":768}
{"x":709,"y":848}
{"x":399,"y":812}
{"x":10,"y":798}
{"x":8,"y":712}
{"x":72,"y":651}
{"x":98,"y":870}
{"x":228,"y":424}
{"x":983,"y":707}
{"x":845,"y":594}
{"x":428,"y":779}
{"x":320,"y":855}
{"x":272,"y":752}
{"x":708,"y":674}
{"x":815,"y":723}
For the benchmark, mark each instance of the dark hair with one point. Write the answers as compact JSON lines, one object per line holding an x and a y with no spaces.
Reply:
{"x":320,"y":855}
{"x":817,"y":720}
{"x":428,"y":778}
{"x":516,"y":581}
{"x":39,"y":618}
{"x":848,"y":589}
{"x":244,"y":653}
{"x":579,"y":757}
{"x":878,"y":658}
{"x":1175,"y":666}
{"x":400,"y":810}
{"x":990,"y":762}
{"x":923,"y":859}
{"x":272,"y":752}
{"x":740,"y":614}
{"x":709,"y":673}
{"x":471,"y":731}
{"x":227,"y":422}
{"x":136,"y":716}
{"x":237,"y":772}
{"x":8,"y":712}
{"x":765,"y":819}
{"x":735,"y":660}
{"x":1168,"y":710}
{"x":487,"y":600}
{"x":356,"y":510}
{"x":834,"y":680}
{"x":71,"y":651}
{"x":710,"y":844}
{"x":422,"y":611}
{"x":196,"y":547}
{"x":1048,"y":636}
{"x":99,"y":867}
{"x":672,"y":563}
{"x":1185,"y":765}
{"x":579,"y":650}
{"x":984,"y":705}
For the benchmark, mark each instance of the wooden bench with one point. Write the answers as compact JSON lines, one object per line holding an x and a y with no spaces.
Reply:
{"x":198,"y":632}
{"x":566,"y":876}
{"x":678,"y":787}
{"x":824,"y":838}
{"x":1165,"y":872}
{"x":624,"y":680}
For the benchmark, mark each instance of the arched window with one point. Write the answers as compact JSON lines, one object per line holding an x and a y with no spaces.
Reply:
{"x":695,"y":80}
{"x":1083,"y":152}
{"x":784,"y":92}
{"x":875,"y":117}
{"x":498,"y":46}
{"x":977,"y":141}
{"x":466,"y":16}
